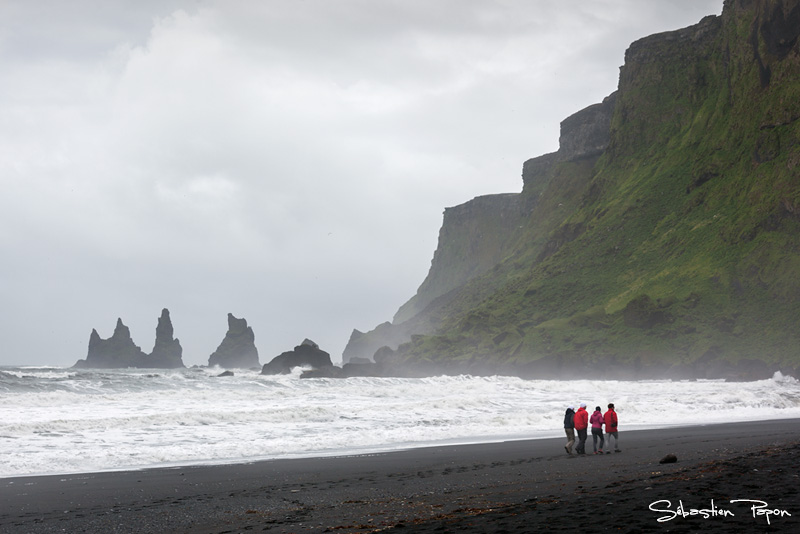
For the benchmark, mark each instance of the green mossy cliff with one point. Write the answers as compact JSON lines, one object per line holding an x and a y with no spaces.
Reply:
{"x":662,"y":239}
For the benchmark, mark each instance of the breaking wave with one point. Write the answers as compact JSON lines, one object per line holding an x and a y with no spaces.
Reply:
{"x":65,"y":420}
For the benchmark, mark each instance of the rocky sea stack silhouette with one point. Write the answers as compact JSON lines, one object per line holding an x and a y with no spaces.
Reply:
{"x":306,"y":354}
{"x":119,"y":351}
{"x":167,"y":352}
{"x":238,"y":348}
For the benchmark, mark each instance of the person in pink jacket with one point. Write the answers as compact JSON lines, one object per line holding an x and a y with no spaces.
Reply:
{"x":597,"y":421}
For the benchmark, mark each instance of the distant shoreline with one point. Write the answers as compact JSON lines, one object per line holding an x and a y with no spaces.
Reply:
{"x":464,"y":486}
{"x":534,"y":371}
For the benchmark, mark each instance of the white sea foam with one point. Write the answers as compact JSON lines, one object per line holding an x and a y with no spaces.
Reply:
{"x":66,"y":421}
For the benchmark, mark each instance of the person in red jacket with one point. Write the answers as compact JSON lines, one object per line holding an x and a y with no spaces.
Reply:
{"x":581,"y":424}
{"x":612,"y":424}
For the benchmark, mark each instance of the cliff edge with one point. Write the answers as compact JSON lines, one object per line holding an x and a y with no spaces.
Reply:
{"x":660,"y":240}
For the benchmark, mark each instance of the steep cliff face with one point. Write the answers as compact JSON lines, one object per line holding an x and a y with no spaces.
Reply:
{"x":586,"y":133}
{"x":473,"y":239}
{"x":670,"y":244}
{"x":481,"y":234}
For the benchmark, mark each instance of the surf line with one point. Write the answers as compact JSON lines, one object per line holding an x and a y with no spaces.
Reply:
{"x":757,"y":507}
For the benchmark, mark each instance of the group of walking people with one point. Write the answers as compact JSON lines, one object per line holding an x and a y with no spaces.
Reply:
{"x":579,"y":422}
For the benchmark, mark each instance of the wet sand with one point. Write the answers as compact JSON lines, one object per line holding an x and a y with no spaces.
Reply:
{"x":518,"y":486}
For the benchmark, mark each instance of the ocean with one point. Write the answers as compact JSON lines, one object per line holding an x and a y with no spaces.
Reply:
{"x":60,"y":420}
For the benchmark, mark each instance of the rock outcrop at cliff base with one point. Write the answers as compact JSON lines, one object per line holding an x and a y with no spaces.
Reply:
{"x":306,"y":354}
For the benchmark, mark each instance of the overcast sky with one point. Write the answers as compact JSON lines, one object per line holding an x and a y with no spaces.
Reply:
{"x":287,"y":161}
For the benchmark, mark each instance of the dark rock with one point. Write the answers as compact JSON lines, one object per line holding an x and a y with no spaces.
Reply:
{"x":330,"y":371}
{"x":361,"y":369}
{"x":587,"y":132}
{"x":751,"y":369}
{"x":653,"y":49}
{"x":167,"y":351}
{"x":225,"y":373}
{"x":363,"y":345}
{"x":307,"y":354}
{"x":642,"y":312}
{"x":118,"y":351}
{"x":383,"y":355}
{"x":238,"y":349}
{"x":360,"y":345}
{"x":668,"y":459}
{"x":743,"y":370}
{"x":536,"y":171}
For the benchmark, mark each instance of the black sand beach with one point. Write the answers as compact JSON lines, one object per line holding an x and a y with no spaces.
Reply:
{"x":520,"y":486}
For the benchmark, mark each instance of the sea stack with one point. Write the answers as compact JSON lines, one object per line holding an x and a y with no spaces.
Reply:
{"x":238,"y":349}
{"x":306,"y":354}
{"x":167,"y":351}
{"x":118,"y":351}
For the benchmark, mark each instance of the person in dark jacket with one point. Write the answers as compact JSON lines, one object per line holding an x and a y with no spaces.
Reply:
{"x":612,"y":422}
{"x":581,"y":424}
{"x":569,"y":428}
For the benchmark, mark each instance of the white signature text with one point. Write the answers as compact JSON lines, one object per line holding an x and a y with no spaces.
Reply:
{"x":757,"y":508}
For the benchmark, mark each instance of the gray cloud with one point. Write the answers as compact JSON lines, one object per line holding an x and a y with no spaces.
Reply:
{"x":286,"y":161}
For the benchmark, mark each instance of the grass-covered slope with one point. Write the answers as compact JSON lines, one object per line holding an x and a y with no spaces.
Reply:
{"x":677,"y":248}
